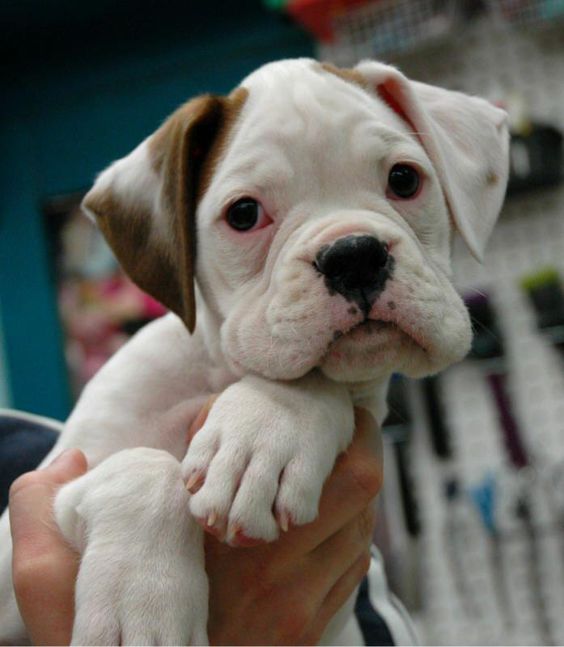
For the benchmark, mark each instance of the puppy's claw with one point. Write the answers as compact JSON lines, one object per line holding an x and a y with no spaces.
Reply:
{"x":216,"y":528}
{"x":194,"y":483}
{"x":284,"y":519}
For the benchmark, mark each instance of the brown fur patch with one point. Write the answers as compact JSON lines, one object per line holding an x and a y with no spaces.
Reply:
{"x":492,"y":178}
{"x":233,"y":104}
{"x":183,"y":153}
{"x":346,"y":74}
{"x":178,"y":151}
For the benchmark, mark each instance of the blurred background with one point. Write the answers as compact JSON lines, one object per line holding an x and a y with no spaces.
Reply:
{"x":472,"y":515}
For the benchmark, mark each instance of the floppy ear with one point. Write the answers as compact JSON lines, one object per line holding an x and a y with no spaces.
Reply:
{"x":466,"y":139}
{"x":145,"y":203}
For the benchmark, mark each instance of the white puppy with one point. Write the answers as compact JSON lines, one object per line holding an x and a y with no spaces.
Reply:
{"x":315,"y":207}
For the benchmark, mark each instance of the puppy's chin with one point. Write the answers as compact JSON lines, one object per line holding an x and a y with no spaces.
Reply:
{"x":375,"y":349}
{"x":369,"y":351}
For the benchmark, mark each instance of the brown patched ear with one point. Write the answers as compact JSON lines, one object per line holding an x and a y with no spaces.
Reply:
{"x":145,"y":203}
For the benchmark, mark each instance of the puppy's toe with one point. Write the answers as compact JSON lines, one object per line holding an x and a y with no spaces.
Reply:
{"x":298,"y":496}
{"x":65,"y":509}
{"x":201,"y":452}
{"x":212,"y":502}
{"x":251,"y":518}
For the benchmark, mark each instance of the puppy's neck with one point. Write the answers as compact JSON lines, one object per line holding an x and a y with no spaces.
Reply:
{"x":372,"y":395}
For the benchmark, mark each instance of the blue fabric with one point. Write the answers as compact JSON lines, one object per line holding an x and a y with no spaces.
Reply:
{"x":23,"y":445}
{"x":374,"y":629}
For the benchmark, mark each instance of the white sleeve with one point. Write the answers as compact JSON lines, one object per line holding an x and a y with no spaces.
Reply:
{"x":385,"y":603}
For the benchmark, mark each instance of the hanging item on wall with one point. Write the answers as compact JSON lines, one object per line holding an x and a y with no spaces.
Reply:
{"x":316,"y":16}
{"x":535,"y":153}
{"x":544,"y":290}
{"x":355,"y":29}
{"x":528,"y":12}
{"x":488,"y":348}
{"x":535,"y":158}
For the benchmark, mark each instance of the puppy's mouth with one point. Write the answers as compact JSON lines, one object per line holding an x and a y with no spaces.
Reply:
{"x":386,"y":331}
{"x":370,"y":327}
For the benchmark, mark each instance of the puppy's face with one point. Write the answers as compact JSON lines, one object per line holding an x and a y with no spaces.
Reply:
{"x":324,"y":237}
{"x":323,"y":226}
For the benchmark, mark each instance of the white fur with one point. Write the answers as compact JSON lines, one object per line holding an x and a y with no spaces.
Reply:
{"x":466,"y":138}
{"x":316,"y":151}
{"x":280,"y":467}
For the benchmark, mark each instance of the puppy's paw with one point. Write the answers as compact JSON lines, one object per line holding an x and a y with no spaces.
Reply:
{"x":141,"y":579}
{"x":121,"y":601}
{"x":262,"y":457}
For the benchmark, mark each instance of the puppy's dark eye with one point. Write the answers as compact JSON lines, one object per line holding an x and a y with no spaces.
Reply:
{"x":244,"y":214}
{"x":403,"y":181}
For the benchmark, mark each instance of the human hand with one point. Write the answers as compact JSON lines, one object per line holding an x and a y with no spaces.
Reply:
{"x":44,"y":566}
{"x":286,"y":592}
{"x":281,"y":593}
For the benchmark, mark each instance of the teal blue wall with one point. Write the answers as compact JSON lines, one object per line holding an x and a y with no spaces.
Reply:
{"x":69,"y":110}
{"x":5,"y":397}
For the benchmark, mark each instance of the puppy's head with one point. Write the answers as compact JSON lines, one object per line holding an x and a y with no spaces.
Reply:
{"x":323,"y":203}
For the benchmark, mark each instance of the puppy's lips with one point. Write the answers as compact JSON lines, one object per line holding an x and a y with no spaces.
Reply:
{"x":383,"y":323}
{"x":402,"y":321}
{"x":371,"y":327}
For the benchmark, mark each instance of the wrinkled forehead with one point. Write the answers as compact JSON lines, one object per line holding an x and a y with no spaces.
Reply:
{"x":303,"y":101}
{"x":305,"y":127}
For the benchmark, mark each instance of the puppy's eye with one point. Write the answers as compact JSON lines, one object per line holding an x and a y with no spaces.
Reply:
{"x":403,"y":181}
{"x":246,"y":214}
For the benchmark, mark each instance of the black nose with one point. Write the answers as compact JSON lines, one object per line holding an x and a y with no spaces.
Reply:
{"x":356,"y":267}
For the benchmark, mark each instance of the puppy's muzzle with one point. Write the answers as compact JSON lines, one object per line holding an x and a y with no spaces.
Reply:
{"x":357,"y":267}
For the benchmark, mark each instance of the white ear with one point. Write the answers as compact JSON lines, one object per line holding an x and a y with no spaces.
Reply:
{"x":466,"y":139}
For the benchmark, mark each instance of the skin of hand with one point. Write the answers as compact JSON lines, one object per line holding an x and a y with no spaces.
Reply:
{"x":280,"y":593}
{"x":44,"y":567}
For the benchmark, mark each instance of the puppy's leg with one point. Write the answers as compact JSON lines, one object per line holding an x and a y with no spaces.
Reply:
{"x":264,"y":453}
{"x":141,"y":579}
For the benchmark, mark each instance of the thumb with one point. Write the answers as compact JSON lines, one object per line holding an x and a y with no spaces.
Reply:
{"x":44,"y":566}
{"x":31,"y":498}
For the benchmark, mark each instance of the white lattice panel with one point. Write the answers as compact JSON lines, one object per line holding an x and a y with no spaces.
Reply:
{"x":493,"y":60}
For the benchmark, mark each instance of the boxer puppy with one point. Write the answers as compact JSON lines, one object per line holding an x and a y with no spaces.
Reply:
{"x":299,"y":230}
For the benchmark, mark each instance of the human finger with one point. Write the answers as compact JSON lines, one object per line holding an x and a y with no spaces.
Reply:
{"x":333,"y":557}
{"x":44,"y":566}
{"x":324,"y":568}
{"x":338,"y":595}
